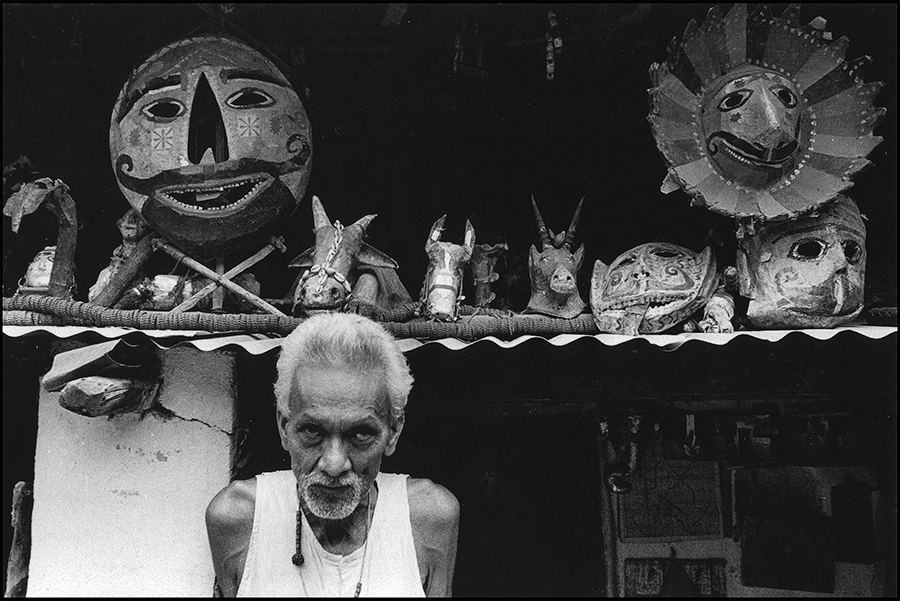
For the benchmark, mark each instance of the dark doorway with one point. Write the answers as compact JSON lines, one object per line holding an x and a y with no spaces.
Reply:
{"x":529,"y":492}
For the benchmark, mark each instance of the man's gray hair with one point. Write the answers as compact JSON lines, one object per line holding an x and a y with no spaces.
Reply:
{"x":343,"y":340}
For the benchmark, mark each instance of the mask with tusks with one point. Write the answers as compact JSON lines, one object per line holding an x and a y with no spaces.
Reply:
{"x":808,"y":272}
{"x":651,"y":288}
{"x":333,"y":263}
{"x":211,"y":145}
{"x":444,"y":278}
{"x":553,"y":270}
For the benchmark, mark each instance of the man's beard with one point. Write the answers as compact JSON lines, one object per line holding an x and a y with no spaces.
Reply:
{"x":317,"y":490}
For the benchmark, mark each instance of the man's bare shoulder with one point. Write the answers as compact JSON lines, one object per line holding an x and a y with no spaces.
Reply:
{"x":431,"y":506}
{"x":232,"y":508}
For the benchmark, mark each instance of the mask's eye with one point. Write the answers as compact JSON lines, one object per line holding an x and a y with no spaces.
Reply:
{"x":787,"y":98}
{"x":249,"y":98}
{"x":626,"y":261}
{"x":807,"y":250}
{"x":853,"y":251}
{"x":164,"y":109}
{"x":734,"y":100}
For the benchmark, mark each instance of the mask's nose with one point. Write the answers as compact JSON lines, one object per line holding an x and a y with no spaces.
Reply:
{"x":207,"y":140}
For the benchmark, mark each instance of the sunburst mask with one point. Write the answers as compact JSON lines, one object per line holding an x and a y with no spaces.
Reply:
{"x":759,"y":117}
{"x":211,"y":145}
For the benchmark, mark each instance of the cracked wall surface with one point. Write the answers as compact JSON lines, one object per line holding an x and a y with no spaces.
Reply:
{"x":119,"y":503}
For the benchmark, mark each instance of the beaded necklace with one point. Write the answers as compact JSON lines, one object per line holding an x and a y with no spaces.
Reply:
{"x":298,"y":559}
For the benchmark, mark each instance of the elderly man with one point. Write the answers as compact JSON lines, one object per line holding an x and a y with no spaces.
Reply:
{"x":334,"y":524}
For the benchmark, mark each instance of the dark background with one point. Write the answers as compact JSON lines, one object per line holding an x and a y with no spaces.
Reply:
{"x":397,"y":133}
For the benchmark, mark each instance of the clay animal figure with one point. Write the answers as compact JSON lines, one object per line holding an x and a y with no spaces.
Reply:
{"x":808,"y":272}
{"x":444,"y":278}
{"x":343,"y":272}
{"x":760,"y":117}
{"x":656,"y":286}
{"x":211,"y":145}
{"x":553,"y":270}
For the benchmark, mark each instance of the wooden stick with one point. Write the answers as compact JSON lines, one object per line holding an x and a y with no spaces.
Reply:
{"x":237,"y":269}
{"x":607,"y":518}
{"x":62,"y":277}
{"x":126,"y":272}
{"x":20,"y":551}
{"x":204,"y":270}
{"x":218,"y":295}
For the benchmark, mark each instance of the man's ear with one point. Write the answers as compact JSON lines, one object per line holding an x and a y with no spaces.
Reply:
{"x":282,"y":421}
{"x":394,"y":436}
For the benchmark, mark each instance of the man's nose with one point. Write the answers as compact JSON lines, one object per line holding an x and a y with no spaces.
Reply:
{"x":334,"y":460}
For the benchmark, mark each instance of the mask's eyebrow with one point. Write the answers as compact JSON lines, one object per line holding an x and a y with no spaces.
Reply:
{"x":815,"y":228}
{"x":157,"y":83}
{"x":229,"y":74}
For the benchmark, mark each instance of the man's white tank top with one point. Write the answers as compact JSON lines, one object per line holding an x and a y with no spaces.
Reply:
{"x":390,"y":568}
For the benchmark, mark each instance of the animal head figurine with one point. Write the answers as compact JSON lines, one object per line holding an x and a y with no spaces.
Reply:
{"x":211,"y":145}
{"x":651,"y":288}
{"x":553,"y":270}
{"x":332,"y":264}
{"x":444,"y":278}
{"x":808,"y":272}
{"x":761,"y":118}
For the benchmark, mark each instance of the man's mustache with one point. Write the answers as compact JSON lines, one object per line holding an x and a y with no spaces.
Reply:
{"x":297,"y":144}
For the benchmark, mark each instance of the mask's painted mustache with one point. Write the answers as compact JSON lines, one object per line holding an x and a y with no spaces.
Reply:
{"x":773,"y":156}
{"x":199,"y":174}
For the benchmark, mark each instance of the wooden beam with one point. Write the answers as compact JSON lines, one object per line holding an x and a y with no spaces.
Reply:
{"x":20,"y":551}
{"x":93,"y":396}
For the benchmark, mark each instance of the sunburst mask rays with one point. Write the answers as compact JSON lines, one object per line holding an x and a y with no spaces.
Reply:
{"x":759,"y":117}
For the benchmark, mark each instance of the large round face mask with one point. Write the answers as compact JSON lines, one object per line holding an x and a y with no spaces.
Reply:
{"x":808,"y":272}
{"x":759,"y":117}
{"x":651,"y":288}
{"x":211,"y":145}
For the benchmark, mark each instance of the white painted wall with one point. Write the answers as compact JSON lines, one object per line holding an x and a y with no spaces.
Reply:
{"x":119,"y":503}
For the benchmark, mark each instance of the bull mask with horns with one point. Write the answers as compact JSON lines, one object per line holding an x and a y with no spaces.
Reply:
{"x":553,"y":270}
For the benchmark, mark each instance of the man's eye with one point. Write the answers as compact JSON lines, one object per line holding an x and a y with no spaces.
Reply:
{"x":310,"y":432}
{"x":164,"y":109}
{"x":364,"y":436}
{"x":249,"y":98}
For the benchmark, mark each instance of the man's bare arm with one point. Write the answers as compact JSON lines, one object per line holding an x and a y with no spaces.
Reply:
{"x":229,"y":522}
{"x":434,"y":514}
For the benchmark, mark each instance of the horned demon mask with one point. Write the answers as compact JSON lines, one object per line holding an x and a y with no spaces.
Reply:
{"x":651,"y":288}
{"x":759,"y":117}
{"x":444,"y":278}
{"x":554,"y":269}
{"x":211,"y":145}
{"x":808,"y":272}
